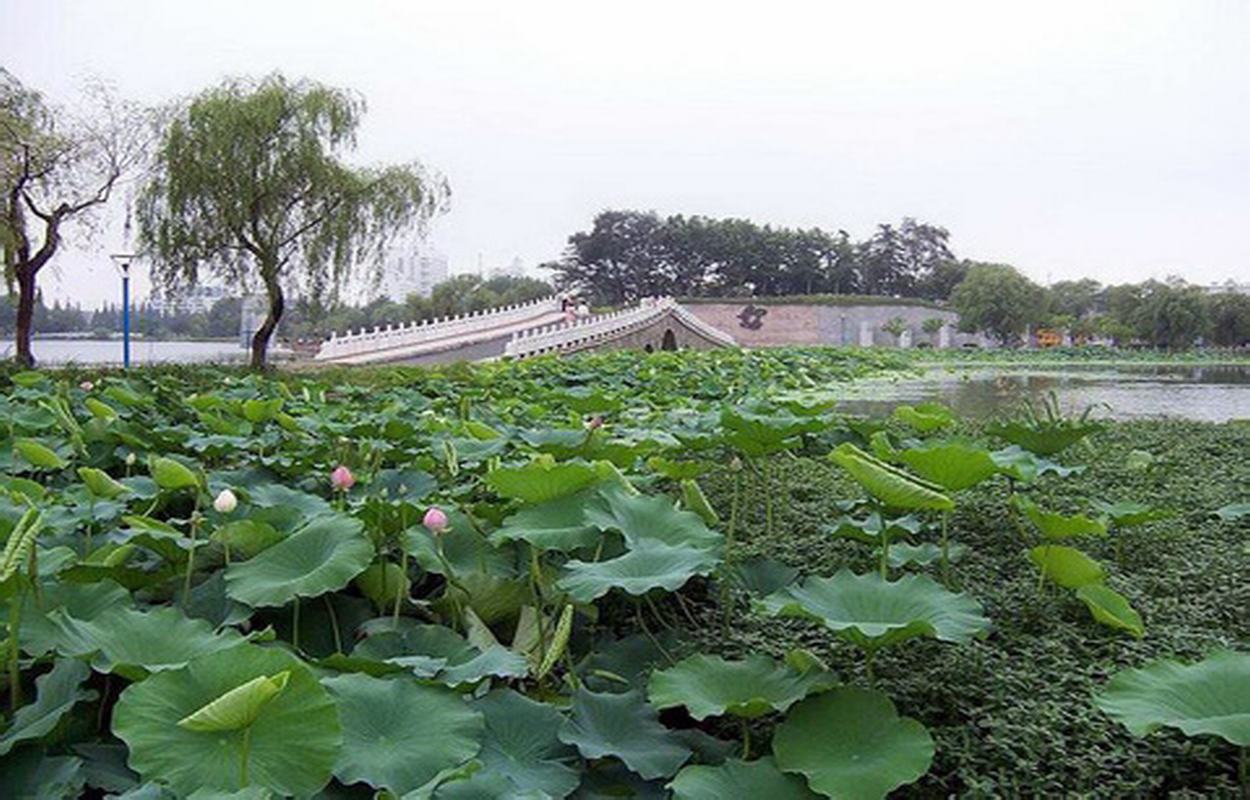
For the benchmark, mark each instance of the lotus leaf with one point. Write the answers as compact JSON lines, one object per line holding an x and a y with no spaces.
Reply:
{"x":709,"y":686}
{"x":293,"y":742}
{"x":1111,"y":608}
{"x":624,"y":726}
{"x":1066,"y":566}
{"x":888,"y":483}
{"x":38,"y":454}
{"x":1210,"y":697}
{"x":923,"y":554}
{"x":398,"y":734}
{"x":521,"y":746}
{"x":237,"y":708}
{"x":321,"y":557}
{"x":852,"y":744}
{"x":541,"y":480}
{"x":640,"y":518}
{"x":173,"y":475}
{"x":735,"y":778}
{"x":559,"y":524}
{"x":954,"y":466}
{"x":925,"y":417}
{"x":31,"y":775}
{"x":56,"y":692}
{"x":1054,"y":526}
{"x":870,"y":611}
{"x":132,"y":642}
{"x":651,"y":565}
{"x":1130,"y":515}
{"x":1233,"y":511}
{"x":100,"y":484}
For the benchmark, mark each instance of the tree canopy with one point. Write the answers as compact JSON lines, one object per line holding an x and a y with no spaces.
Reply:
{"x":997,"y":299}
{"x":250,"y":185}
{"x":631,"y":254}
{"x":57,"y":167}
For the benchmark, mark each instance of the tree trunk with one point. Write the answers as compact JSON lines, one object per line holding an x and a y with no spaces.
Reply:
{"x":260,"y":340}
{"x":24,"y":327}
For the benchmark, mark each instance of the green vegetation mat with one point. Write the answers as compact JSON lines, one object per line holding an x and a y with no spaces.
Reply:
{"x":677,"y":575}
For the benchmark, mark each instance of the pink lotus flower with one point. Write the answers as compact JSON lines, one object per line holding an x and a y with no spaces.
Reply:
{"x":435,"y":520}
{"x":342,"y":478}
{"x":594,"y":423}
{"x":86,"y":386}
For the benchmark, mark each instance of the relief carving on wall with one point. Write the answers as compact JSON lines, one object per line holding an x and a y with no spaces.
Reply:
{"x":752,"y":317}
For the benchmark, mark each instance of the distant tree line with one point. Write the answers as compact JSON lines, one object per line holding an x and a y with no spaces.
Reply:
{"x":1170,"y":314}
{"x":305,"y":319}
{"x":631,"y":254}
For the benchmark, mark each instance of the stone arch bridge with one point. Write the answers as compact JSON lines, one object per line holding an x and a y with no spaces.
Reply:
{"x":521,"y":331}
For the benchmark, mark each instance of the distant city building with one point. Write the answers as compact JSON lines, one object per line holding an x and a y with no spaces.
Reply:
{"x":1227,"y":286}
{"x":196,"y":300}
{"x":515,"y":269}
{"x":413,"y":273}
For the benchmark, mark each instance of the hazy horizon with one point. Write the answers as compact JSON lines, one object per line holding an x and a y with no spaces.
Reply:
{"x":1107,"y":140}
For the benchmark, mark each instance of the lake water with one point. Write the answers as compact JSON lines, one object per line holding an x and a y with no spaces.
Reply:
{"x":101,"y":351}
{"x":1208,"y":393}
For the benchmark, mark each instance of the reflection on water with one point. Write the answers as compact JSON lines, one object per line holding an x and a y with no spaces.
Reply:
{"x":1210,"y":393}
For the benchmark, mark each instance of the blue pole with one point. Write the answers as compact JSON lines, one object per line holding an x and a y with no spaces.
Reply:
{"x":126,"y":316}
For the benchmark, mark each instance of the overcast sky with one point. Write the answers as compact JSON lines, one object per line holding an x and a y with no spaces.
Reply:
{"x":1100,"y":139}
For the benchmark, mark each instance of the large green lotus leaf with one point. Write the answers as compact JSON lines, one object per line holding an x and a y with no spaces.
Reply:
{"x":246,"y":537}
{"x":398,"y":734}
{"x":1127,"y":514}
{"x":888,"y":483}
{"x":495,"y":661}
{"x":709,"y":686}
{"x":624,"y":726}
{"x":465,"y":549}
{"x":521,"y":746}
{"x":639,"y":518}
{"x":323,"y":556}
{"x":40,"y":631}
{"x":651,"y":565}
{"x":869,"y":529}
{"x":275,"y":495}
{"x":172,"y":475}
{"x":1056,"y":526}
{"x":558,"y":524}
{"x":38,"y":454}
{"x":924,"y":554}
{"x":541,"y":480}
{"x":28,"y":774}
{"x":1066,"y":566}
{"x":101,"y":484}
{"x":1019,"y":464}
{"x":871,"y":611}
{"x":1209,"y":697}
{"x":132,"y":642}
{"x":439,"y":653}
{"x":754,"y":779}
{"x":761,"y":575}
{"x":952,"y":465}
{"x":56,"y":692}
{"x":294,"y":741}
{"x":851,"y":744}
{"x":1044,"y":439}
{"x":925,"y":417}
{"x":1111,"y":608}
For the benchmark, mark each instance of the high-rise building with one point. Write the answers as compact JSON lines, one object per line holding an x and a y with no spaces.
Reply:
{"x":413,"y":273}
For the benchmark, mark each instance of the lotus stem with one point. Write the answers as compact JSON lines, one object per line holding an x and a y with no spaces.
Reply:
{"x":399,"y":594}
{"x":869,"y":655}
{"x":885,"y":552}
{"x":1243,"y":771}
{"x":90,"y":524}
{"x":946,"y":563}
{"x":746,"y":740}
{"x":768,"y":497}
{"x":685,"y":609}
{"x":295,"y":624}
{"x":725,"y":599}
{"x":195,"y":528}
{"x":539,"y":607}
{"x":655,"y":610}
{"x":642,"y":623}
{"x":15,"y":675}
{"x":334,"y":624}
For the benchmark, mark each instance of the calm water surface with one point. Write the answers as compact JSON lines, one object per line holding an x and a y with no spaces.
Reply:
{"x":100,"y":351}
{"x":1208,"y":393}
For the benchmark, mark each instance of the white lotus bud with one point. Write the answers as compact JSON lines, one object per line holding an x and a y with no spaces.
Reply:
{"x":225,"y":502}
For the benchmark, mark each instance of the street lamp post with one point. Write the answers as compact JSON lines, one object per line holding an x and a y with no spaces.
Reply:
{"x":122,"y":260}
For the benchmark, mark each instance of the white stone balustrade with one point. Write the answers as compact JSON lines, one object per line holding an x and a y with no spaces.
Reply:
{"x":416,"y":333}
{"x":585,"y":331}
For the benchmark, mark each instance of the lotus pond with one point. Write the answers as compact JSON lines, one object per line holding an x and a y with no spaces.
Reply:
{"x":677,"y":575}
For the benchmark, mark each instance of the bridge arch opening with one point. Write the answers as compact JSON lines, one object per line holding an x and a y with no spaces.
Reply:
{"x":669,"y":341}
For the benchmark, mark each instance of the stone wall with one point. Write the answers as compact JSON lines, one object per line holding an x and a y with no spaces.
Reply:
{"x":775,"y":325}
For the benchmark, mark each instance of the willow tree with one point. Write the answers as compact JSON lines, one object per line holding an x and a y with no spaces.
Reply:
{"x":249,"y":184}
{"x":57,"y":168}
